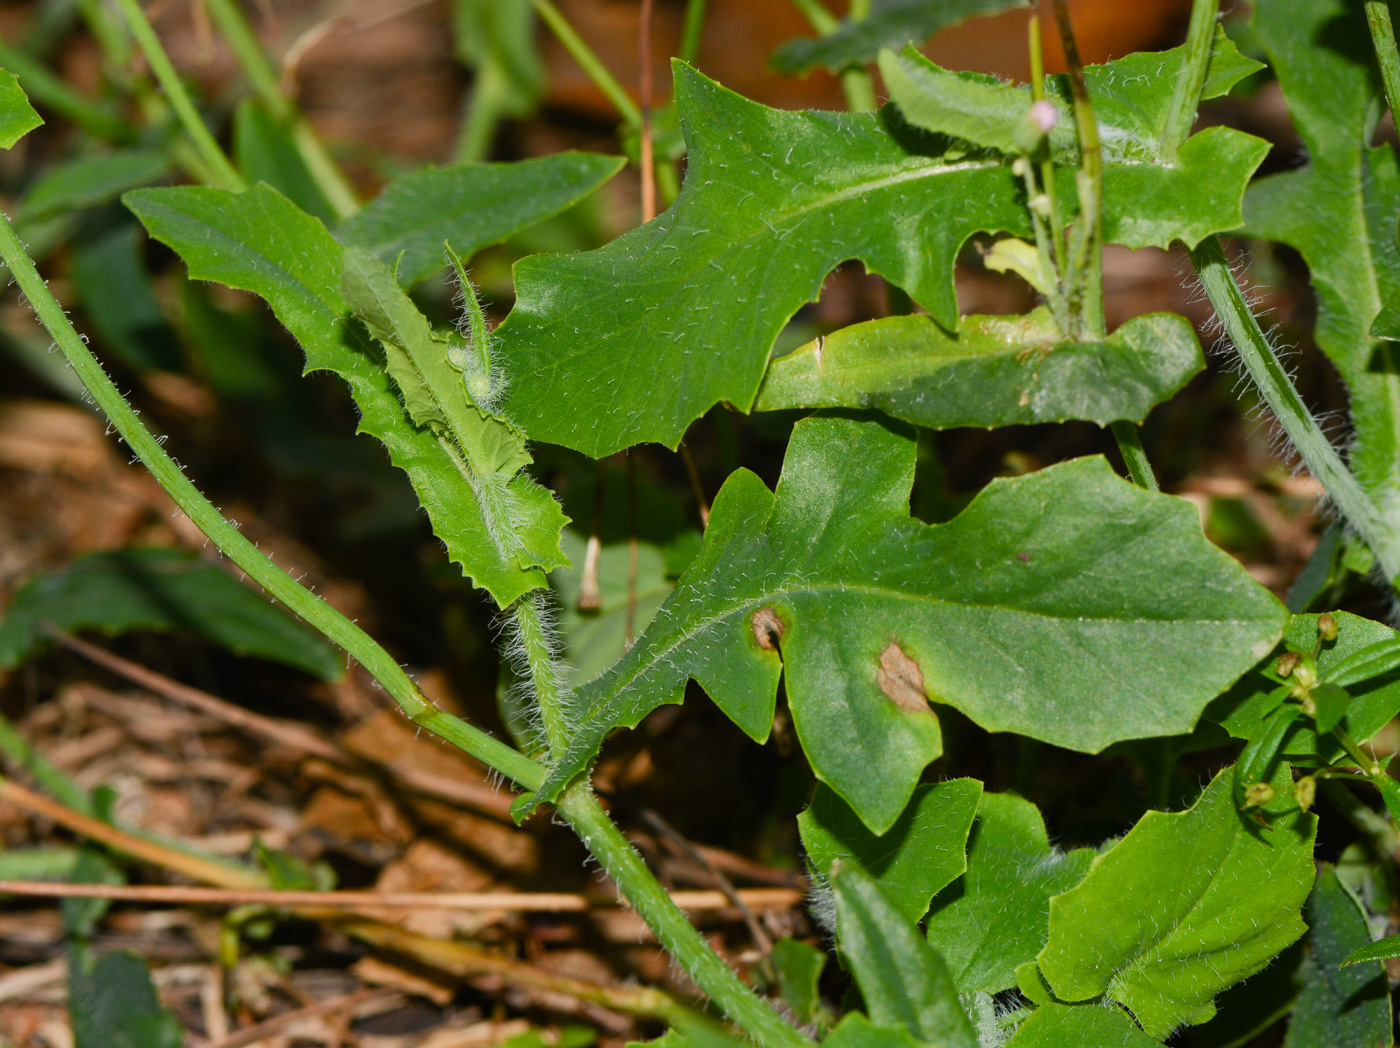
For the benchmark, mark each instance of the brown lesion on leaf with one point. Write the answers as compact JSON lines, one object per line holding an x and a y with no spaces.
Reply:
{"x":901,"y":680}
{"x":767,"y":628}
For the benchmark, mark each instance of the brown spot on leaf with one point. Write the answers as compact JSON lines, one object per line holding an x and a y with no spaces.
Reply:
{"x":767,"y":628}
{"x":902,"y":681}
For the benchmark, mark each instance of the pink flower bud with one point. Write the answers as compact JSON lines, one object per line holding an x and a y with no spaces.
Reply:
{"x":1045,"y":115}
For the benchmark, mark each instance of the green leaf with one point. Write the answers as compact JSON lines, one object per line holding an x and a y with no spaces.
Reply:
{"x":114,"y":1005}
{"x":799,"y":969}
{"x":997,"y":371}
{"x":891,"y":23}
{"x":471,"y":206}
{"x":993,"y":921}
{"x":633,"y":341}
{"x":1085,"y":1026}
{"x":902,"y":978}
{"x":1067,"y":605}
{"x":1374,"y":660}
{"x":1380,"y":950}
{"x":259,"y":241}
{"x":88,"y":181}
{"x":1182,"y":907}
{"x":1339,"y":1006}
{"x":1332,"y":702}
{"x":1146,"y":203}
{"x":1263,"y":749}
{"x":17,"y":116}
{"x":159,"y":589}
{"x":911,"y":861}
{"x":117,"y":295}
{"x":266,"y":152}
{"x":1375,"y":699}
{"x":1338,"y":210}
{"x":856,"y":1031}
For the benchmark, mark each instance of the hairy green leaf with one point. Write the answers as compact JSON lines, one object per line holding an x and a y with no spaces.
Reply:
{"x":1182,"y":907}
{"x":1085,"y":1026}
{"x":997,"y":371}
{"x":1338,"y":1006}
{"x":1064,"y":605}
{"x":890,"y":23}
{"x":259,"y":241}
{"x":633,"y":341}
{"x":902,"y":978}
{"x":471,"y":206}
{"x":856,"y":1031}
{"x":1338,"y":211}
{"x":994,"y":919}
{"x":1146,"y":203}
{"x":114,"y":1005}
{"x":1375,"y":699}
{"x":911,"y":861}
{"x":17,"y":116}
{"x":90,"y":180}
{"x":116,"y":591}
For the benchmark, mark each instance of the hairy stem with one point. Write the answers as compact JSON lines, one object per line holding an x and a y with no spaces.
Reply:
{"x":1383,"y":40}
{"x":673,"y":929}
{"x":315,"y":611}
{"x":267,"y":86}
{"x":537,"y":644}
{"x":1302,"y":430}
{"x":1186,"y":95}
{"x":224,"y":173}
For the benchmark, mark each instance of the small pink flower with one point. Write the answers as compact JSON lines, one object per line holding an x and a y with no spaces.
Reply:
{"x":1044,"y":115}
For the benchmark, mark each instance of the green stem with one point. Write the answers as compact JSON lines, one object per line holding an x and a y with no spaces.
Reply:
{"x":589,"y":62}
{"x":1134,"y":457}
{"x":673,"y":930}
{"x":1368,"y":765}
{"x":1086,"y":249}
{"x":690,"y":35}
{"x":822,"y":20}
{"x":859,"y":90}
{"x":267,"y":86}
{"x":1186,"y":95}
{"x":528,"y":612}
{"x":180,"y":99}
{"x":1302,"y":430}
{"x":53,"y":92}
{"x":315,"y":611}
{"x":1383,"y":40}
{"x":483,"y":115}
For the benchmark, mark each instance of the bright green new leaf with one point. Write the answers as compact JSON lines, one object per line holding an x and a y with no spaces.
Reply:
{"x":993,"y":920}
{"x":1338,"y":211}
{"x":90,"y":180}
{"x":901,"y":977}
{"x":1182,"y":907}
{"x":17,"y":116}
{"x":1146,"y":203}
{"x":116,"y":591}
{"x":634,"y":341}
{"x":1067,"y":605}
{"x":911,"y":861}
{"x":1082,"y":1026}
{"x":259,"y":241}
{"x":996,"y":371}
{"x":1375,"y":698}
{"x":471,"y":206}
{"x":890,"y":23}
{"x":1339,"y":1006}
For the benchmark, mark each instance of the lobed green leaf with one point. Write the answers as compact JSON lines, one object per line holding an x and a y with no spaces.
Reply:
{"x":1068,"y":606}
{"x":1055,"y":1025}
{"x":1182,"y":907}
{"x":17,"y":116}
{"x":259,"y":241}
{"x":996,"y":371}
